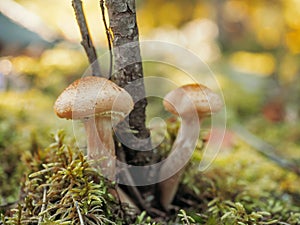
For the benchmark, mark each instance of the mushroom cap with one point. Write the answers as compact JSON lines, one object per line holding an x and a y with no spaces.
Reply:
{"x":90,"y":96}
{"x":189,"y":98}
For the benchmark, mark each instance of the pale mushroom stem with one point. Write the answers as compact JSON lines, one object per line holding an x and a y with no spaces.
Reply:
{"x":101,"y":149}
{"x":100,"y":144}
{"x":182,"y":149}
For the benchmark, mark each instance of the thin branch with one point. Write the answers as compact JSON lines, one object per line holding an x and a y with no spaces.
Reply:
{"x":8,"y":206}
{"x":109,"y":38}
{"x":264,"y":148}
{"x":79,"y":213}
{"x":86,"y":42}
{"x":43,"y":205}
{"x":132,"y":188}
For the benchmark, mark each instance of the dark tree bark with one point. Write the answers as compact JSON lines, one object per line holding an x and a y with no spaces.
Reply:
{"x":128,"y":73}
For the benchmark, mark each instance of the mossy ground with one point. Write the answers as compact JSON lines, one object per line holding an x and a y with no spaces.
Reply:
{"x":241,"y":187}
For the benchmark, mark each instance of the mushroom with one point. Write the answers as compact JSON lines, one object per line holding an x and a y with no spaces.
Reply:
{"x":100,"y":104}
{"x":192,"y":103}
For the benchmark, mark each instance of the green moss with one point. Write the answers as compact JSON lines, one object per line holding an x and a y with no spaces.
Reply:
{"x":241,"y":190}
{"x":62,"y":188}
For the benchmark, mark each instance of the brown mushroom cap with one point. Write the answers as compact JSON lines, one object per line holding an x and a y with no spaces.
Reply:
{"x":91,"y":96}
{"x":185,"y":99}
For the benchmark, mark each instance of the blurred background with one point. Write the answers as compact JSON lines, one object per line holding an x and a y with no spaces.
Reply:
{"x":252,"y":46}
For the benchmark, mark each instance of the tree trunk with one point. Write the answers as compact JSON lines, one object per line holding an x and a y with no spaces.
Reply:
{"x":128,"y":73}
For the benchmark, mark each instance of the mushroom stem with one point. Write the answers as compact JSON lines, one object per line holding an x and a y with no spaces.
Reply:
{"x":192,"y":102}
{"x":100,"y":144}
{"x":181,"y":151}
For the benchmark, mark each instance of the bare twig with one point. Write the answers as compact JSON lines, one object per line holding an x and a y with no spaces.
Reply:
{"x":264,"y":148}
{"x":109,"y":38}
{"x":78,"y":211}
{"x":8,"y":206}
{"x":43,"y":205}
{"x":86,"y":42}
{"x":126,"y":176}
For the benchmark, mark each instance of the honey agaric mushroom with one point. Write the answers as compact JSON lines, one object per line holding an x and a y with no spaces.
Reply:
{"x":100,"y":104}
{"x":190,"y":102}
